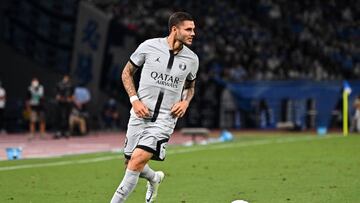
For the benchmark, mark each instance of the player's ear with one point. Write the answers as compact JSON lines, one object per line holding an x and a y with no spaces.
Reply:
{"x":173,"y":28}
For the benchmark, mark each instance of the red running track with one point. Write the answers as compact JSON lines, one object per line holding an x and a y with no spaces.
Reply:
{"x":49,"y":147}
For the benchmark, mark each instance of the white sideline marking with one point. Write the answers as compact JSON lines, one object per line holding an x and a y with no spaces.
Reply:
{"x":176,"y":151}
{"x":59,"y":163}
{"x":247,"y":144}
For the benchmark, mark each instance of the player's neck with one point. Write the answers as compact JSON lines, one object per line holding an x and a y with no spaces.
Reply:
{"x":175,"y":45}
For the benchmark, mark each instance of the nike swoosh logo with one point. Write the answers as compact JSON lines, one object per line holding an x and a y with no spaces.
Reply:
{"x":148,"y":200}
{"x":121,"y":191}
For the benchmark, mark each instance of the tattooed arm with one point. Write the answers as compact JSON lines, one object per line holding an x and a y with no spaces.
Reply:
{"x":189,"y":90}
{"x":128,"y":80}
{"x":127,"y":77}
{"x":179,"y":109}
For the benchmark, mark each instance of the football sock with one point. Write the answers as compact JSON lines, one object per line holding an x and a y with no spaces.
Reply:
{"x":126,"y":186}
{"x":148,"y":174}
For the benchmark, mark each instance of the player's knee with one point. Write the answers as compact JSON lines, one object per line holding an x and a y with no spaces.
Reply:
{"x":137,"y":163}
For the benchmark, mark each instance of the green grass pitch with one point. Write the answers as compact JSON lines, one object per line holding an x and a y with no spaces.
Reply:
{"x":254,"y":167}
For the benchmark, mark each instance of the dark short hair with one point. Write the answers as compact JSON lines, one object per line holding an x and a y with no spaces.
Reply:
{"x":177,"y":18}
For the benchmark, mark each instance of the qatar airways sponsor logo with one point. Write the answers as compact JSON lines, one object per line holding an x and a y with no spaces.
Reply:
{"x":165,"y":79}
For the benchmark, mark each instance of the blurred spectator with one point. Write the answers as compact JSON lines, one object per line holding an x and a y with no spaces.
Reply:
{"x":110,"y":114}
{"x":264,"y":114}
{"x":77,"y":119}
{"x":2,"y":107}
{"x":79,"y":114}
{"x":81,"y":95}
{"x":229,"y":111}
{"x":64,"y":97}
{"x":35,"y":105}
{"x":355,"y":124}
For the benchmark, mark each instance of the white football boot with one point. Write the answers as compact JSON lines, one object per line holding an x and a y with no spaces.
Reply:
{"x":152,"y":188}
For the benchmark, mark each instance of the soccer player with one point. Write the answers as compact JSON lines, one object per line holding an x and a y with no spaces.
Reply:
{"x":165,"y":90}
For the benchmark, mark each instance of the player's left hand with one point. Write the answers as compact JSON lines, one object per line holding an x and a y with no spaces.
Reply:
{"x":179,"y":109}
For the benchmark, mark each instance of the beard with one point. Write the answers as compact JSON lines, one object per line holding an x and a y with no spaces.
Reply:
{"x":186,"y":43}
{"x":182,"y":39}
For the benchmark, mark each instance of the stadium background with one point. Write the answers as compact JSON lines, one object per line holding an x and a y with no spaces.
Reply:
{"x":262,"y":63}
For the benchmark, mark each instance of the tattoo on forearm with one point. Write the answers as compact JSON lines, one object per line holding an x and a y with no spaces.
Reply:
{"x":190,"y":94}
{"x":190,"y":87}
{"x":189,"y":84}
{"x":128,"y":80}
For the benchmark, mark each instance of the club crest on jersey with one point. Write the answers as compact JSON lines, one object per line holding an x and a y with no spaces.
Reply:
{"x":182,"y":66}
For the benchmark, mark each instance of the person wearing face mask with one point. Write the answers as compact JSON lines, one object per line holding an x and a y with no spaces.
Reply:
{"x":35,"y":106}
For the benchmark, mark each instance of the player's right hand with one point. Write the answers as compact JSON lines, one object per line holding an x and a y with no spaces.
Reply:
{"x":140,"y":109}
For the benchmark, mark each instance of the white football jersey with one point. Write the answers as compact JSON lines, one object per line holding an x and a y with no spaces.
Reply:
{"x":163,"y":75}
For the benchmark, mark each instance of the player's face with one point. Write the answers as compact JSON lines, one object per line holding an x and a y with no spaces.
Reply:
{"x":185,"y":32}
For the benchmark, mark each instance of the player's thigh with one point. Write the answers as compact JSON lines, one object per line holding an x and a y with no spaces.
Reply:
{"x":155,"y":141}
{"x":138,"y":160}
{"x":133,"y":134}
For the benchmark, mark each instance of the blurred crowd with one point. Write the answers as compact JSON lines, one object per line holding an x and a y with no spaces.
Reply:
{"x":236,"y":40}
{"x":67,"y":114}
{"x":260,"y":39}
{"x":241,"y":40}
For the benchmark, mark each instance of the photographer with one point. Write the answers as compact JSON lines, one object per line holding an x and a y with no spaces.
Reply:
{"x":35,"y":105}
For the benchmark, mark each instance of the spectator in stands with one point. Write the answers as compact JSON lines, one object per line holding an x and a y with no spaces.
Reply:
{"x":35,"y":105}
{"x":78,"y":118}
{"x":110,"y":114}
{"x":355,"y":124}
{"x":273,"y":39}
{"x":2,"y":107}
{"x":79,"y":114}
{"x":264,"y":114}
{"x":229,"y":111}
{"x":81,"y":94}
{"x":64,"y":97}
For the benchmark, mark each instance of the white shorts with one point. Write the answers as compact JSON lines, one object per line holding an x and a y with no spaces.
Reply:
{"x":149,"y":136}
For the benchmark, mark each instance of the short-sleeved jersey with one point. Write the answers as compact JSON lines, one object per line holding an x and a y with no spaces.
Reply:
{"x":163,"y":75}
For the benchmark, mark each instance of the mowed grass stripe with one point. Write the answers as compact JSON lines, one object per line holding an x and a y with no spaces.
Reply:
{"x":174,"y":151}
